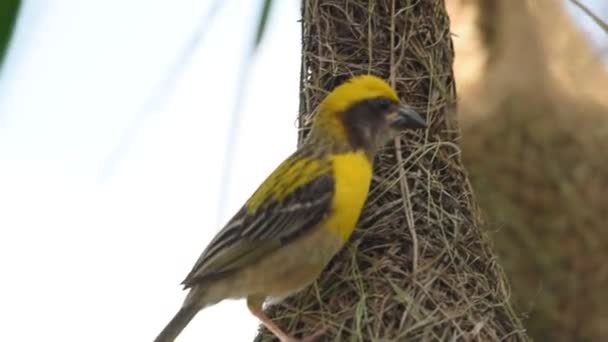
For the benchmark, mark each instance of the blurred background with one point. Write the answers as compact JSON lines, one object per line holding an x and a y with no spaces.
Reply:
{"x":131,"y":130}
{"x":117,"y":122}
{"x":532,"y":82}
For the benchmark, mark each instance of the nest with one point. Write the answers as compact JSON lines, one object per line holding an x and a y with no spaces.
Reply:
{"x":535,"y":147}
{"x":418,"y":267}
{"x":544,"y":189}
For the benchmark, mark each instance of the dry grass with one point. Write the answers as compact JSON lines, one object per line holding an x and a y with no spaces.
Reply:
{"x":534,"y":142}
{"x":418,"y":267}
{"x":543,"y":187}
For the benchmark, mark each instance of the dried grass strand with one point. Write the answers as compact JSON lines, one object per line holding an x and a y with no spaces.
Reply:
{"x":439,"y":281}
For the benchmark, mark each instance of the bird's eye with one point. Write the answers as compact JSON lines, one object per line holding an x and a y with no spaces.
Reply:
{"x":383,"y":104}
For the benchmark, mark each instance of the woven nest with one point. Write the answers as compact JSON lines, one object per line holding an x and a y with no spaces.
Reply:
{"x":544,"y":190}
{"x":535,"y":147}
{"x":418,"y":267}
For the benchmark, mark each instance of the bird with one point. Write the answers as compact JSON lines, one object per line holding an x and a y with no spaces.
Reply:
{"x":285,"y":234}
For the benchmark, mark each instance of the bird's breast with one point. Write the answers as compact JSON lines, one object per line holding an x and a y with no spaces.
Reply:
{"x":352,"y":174}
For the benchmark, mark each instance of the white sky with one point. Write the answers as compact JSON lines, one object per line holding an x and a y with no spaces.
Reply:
{"x":89,"y":260}
{"x":590,"y":28}
{"x":92,"y":255}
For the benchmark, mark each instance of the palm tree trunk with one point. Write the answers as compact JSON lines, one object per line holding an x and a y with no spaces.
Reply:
{"x":419,"y":266}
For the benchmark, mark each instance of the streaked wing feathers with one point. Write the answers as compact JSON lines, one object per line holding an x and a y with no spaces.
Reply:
{"x":275,"y":218}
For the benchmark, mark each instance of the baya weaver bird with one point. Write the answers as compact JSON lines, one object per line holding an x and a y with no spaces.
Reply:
{"x":304,"y":212}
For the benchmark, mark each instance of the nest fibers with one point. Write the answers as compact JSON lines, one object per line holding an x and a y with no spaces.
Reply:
{"x":534,"y":143}
{"x":418,"y":267}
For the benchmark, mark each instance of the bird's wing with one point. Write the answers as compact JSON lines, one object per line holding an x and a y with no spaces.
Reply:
{"x":294,"y":198}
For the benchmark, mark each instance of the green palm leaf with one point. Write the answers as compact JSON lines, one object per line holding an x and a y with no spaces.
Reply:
{"x":8,"y":17}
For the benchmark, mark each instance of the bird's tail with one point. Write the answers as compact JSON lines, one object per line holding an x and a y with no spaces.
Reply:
{"x":177,"y":323}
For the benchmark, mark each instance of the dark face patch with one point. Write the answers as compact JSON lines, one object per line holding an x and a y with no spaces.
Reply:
{"x":365,"y":119}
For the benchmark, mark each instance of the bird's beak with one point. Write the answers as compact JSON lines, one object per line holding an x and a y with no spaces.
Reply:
{"x":406,"y":117}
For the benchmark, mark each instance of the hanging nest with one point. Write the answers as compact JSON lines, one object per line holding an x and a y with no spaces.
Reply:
{"x":418,"y":267}
{"x":535,"y":128}
{"x":543,"y":187}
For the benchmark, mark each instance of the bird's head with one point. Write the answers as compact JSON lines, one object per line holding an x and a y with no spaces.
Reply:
{"x":364,"y":113}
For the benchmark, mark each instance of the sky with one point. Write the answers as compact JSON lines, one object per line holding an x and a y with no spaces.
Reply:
{"x":596,"y":35}
{"x":92,"y":252}
{"x":112,"y":159}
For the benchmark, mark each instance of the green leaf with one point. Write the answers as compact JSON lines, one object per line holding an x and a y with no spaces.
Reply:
{"x":262,"y":23}
{"x":8,"y":17}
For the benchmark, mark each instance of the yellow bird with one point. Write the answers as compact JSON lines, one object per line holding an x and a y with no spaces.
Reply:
{"x":304,"y":212}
